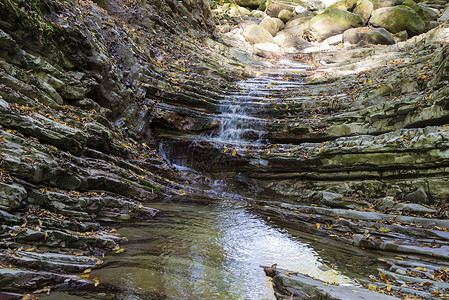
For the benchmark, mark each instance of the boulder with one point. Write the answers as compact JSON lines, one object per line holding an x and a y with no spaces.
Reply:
{"x":318,"y":5}
{"x":286,"y":40}
{"x":273,"y":8}
{"x":398,"y":18}
{"x":258,"y":14}
{"x":285,"y":15}
{"x":419,"y":10}
{"x":402,"y":35}
{"x":334,"y":40}
{"x":272,"y":25}
{"x":429,"y":13}
{"x":364,"y":9}
{"x":347,"y":5}
{"x":383,"y":3}
{"x":296,"y":27}
{"x":249,"y":3}
{"x":256,"y":34}
{"x":369,"y":35}
{"x":266,"y":49}
{"x":418,"y":196}
{"x":332,"y":22}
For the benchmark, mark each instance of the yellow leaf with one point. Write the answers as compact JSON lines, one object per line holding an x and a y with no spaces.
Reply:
{"x":85,"y":276}
{"x":288,"y":274}
{"x":420,"y":269}
{"x":384,"y":230}
{"x":318,"y":225}
{"x":234,"y":152}
{"x":87,"y":271}
{"x":400,"y":258}
{"x":388,"y":287}
{"x":40,"y":222}
{"x":96,"y":282}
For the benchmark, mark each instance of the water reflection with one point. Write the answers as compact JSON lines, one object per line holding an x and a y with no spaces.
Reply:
{"x":207,"y":252}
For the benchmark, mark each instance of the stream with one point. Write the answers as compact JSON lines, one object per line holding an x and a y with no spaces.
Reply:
{"x":198,"y":251}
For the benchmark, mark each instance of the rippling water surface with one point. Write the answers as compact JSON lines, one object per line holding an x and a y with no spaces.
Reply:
{"x":207,"y":252}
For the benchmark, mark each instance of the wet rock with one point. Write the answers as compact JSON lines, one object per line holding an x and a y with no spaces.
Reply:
{"x":369,"y":35}
{"x":256,"y":34}
{"x":331,"y":22}
{"x":418,"y":196}
{"x":398,"y":18}
{"x":272,"y":25}
{"x":299,"y":286}
{"x":11,"y":195}
{"x":53,"y":262}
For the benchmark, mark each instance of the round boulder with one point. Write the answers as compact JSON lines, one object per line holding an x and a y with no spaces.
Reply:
{"x":398,"y":18}
{"x":369,"y":35}
{"x":364,"y":9}
{"x":272,"y":25}
{"x":285,"y":15}
{"x":256,"y":34}
{"x":332,"y":22}
{"x":347,"y":5}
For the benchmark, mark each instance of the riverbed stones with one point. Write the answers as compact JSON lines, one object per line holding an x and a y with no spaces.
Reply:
{"x":256,"y":34}
{"x":331,"y":22}
{"x":272,"y":25}
{"x":398,"y":18}
{"x":376,"y":36}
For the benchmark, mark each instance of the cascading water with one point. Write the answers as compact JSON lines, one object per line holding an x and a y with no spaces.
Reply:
{"x":242,"y":118}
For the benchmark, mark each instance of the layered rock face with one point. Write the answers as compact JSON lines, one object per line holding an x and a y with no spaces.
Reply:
{"x":80,"y":83}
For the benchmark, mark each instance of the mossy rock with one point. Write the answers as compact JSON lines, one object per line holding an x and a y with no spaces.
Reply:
{"x":331,"y":22}
{"x":347,"y":5}
{"x":364,"y":9}
{"x":249,"y":3}
{"x":398,"y":18}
